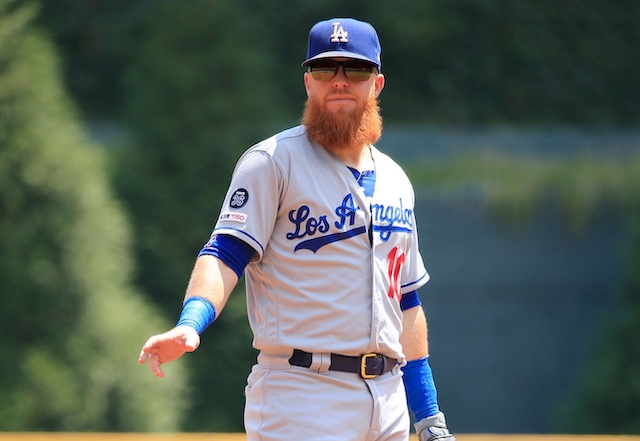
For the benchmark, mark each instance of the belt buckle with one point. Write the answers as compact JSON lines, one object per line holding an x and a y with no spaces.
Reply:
{"x":363,"y":365}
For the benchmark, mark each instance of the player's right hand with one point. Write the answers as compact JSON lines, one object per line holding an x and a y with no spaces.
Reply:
{"x":163,"y":348}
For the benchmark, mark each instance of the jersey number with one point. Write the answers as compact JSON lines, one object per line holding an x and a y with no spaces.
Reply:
{"x":395,"y":265}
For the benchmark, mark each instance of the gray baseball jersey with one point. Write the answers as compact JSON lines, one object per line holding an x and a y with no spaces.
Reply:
{"x":331,"y":264}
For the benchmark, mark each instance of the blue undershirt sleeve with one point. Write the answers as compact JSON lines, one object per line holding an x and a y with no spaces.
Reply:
{"x":231,"y":250}
{"x":410,"y":300}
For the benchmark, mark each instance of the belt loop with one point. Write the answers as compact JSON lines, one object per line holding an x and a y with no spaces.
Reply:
{"x":325,"y":362}
{"x":316,"y":362}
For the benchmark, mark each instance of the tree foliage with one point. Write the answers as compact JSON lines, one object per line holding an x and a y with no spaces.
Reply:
{"x":500,"y":61}
{"x":70,"y":322}
{"x":447,"y":61}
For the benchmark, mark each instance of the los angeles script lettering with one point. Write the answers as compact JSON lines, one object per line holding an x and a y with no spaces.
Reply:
{"x":387,"y":219}
{"x":306,"y":225}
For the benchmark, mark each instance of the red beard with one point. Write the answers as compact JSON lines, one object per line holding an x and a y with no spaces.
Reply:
{"x":343,"y":130}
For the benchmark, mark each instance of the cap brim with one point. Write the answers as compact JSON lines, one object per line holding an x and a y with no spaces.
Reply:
{"x":340,"y":54}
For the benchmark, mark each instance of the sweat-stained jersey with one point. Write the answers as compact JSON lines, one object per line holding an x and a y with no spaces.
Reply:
{"x":331,"y":264}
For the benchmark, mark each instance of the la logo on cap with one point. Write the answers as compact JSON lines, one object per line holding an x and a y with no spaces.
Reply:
{"x":343,"y":37}
{"x":339,"y":34}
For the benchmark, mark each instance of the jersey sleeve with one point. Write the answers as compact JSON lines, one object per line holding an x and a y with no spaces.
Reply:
{"x":250,"y":207}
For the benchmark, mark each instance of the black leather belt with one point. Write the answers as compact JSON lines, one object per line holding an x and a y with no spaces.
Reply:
{"x":367,"y":365}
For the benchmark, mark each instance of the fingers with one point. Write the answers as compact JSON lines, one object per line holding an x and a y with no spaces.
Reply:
{"x":146,"y":350}
{"x":163,"y":348}
{"x":155,"y":363}
{"x":154,"y":359}
{"x":148,"y":353}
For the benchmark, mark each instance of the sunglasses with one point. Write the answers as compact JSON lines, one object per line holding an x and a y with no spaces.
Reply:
{"x":354,"y":70}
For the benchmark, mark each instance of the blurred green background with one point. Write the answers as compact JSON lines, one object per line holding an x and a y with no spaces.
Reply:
{"x":120,"y":123}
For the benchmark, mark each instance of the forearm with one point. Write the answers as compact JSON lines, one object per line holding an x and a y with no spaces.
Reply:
{"x":208,"y":290}
{"x":418,"y":378}
{"x":414,"y":334}
{"x":213,"y":280}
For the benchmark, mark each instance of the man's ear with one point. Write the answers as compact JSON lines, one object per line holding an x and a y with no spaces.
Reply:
{"x":378,"y":85}
{"x":306,"y":82}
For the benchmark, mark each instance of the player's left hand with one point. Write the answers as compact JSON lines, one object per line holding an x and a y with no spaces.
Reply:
{"x":163,"y":348}
{"x":433,"y":428}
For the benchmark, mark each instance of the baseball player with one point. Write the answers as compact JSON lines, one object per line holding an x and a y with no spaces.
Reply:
{"x":322,"y":225}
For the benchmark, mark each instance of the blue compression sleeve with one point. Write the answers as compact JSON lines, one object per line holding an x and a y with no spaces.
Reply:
{"x":198,"y":313}
{"x":231,"y":250}
{"x":409,"y":300}
{"x":420,"y":388}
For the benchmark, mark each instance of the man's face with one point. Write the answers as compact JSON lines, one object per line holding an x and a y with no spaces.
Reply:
{"x":342,"y":110}
{"x":342,"y":92}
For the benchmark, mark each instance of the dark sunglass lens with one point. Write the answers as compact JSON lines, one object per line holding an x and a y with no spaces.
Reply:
{"x":358,"y":71}
{"x":323,"y":73}
{"x":357,"y":75}
{"x":323,"y":70}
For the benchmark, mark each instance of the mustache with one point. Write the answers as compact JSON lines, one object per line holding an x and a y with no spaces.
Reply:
{"x":341,"y":93}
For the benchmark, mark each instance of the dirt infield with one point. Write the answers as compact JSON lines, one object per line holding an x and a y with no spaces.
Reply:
{"x":27,"y":436}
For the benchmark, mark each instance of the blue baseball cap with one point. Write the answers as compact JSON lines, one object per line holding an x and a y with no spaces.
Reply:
{"x":344,"y":37}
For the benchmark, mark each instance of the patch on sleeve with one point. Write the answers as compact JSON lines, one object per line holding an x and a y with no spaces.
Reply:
{"x":239,"y":198}
{"x":234,"y":217}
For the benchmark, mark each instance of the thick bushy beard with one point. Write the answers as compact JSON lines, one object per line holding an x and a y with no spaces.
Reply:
{"x":345,"y":129}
